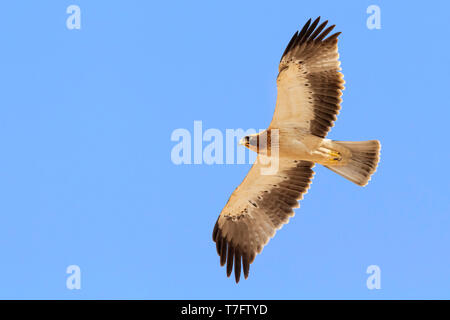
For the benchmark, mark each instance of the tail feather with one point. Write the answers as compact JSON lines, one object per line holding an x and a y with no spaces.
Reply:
{"x":362,"y":163}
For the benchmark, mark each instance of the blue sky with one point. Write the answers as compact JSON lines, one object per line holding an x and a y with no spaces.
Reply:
{"x":86,"y":176}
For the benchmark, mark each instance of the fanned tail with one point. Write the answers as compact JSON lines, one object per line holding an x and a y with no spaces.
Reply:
{"x":362,"y":163}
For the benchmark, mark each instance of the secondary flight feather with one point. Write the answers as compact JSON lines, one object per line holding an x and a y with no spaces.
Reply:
{"x":309,"y":87}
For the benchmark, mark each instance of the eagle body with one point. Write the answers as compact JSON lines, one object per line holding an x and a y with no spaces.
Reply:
{"x":297,"y":144}
{"x":310,"y":87}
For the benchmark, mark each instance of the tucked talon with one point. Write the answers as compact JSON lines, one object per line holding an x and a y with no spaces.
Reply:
{"x":336,"y":155}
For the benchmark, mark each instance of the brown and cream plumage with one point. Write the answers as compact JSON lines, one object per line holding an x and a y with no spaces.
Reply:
{"x":309,"y":86}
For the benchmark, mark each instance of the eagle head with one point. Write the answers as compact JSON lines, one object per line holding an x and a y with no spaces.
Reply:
{"x":254,"y":142}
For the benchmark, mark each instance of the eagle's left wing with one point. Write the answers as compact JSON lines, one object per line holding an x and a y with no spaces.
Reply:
{"x":309,"y":81}
{"x":256,"y":209}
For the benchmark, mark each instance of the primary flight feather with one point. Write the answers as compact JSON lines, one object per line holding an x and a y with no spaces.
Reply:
{"x":309,"y":86}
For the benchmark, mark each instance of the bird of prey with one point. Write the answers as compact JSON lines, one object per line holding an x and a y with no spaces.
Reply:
{"x":309,"y":87}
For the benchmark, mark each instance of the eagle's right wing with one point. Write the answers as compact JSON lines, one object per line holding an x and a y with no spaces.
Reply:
{"x":309,"y":81}
{"x":256,"y":209}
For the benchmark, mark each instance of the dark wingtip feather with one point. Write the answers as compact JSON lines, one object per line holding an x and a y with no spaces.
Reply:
{"x":223,"y":252}
{"x":333,"y":36}
{"x":216,"y":229}
{"x":325,"y":33}
{"x":245,"y":265}
{"x":288,"y":47}
{"x":219,"y":247}
{"x":230,"y":260}
{"x":237,"y":264}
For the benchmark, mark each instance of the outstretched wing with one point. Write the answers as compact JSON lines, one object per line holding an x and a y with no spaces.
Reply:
{"x":256,"y":209}
{"x":309,"y":82}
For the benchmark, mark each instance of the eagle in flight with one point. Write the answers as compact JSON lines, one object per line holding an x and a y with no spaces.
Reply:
{"x":309,"y":86}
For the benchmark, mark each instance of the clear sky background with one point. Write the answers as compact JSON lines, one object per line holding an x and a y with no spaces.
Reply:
{"x":86,"y":176}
